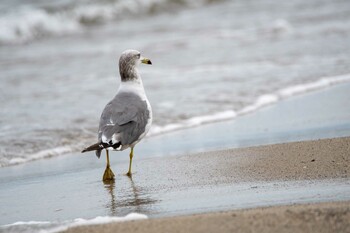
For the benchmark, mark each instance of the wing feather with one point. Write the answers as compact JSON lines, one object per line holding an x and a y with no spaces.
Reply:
{"x":124,"y":119}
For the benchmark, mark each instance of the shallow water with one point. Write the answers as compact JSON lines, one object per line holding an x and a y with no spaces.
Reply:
{"x":201,"y":200}
{"x":212,"y":61}
{"x":82,"y":195}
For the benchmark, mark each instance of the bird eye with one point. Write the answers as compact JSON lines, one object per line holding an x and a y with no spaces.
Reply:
{"x":138,"y":55}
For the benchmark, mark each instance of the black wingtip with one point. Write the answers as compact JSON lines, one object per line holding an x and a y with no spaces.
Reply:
{"x":95,"y":146}
{"x":85,"y":150}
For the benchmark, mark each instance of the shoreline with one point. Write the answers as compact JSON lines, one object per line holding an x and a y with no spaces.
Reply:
{"x":253,"y":177}
{"x":310,"y":161}
{"x":332,"y":123}
{"x":319,"y":217}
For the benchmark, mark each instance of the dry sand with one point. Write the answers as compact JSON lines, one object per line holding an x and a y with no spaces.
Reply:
{"x":310,"y":160}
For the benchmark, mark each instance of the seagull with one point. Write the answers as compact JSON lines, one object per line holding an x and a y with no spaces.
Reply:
{"x":127,"y":118}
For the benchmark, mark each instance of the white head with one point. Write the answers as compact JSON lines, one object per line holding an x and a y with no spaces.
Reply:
{"x":133,"y":57}
{"x":128,"y":62}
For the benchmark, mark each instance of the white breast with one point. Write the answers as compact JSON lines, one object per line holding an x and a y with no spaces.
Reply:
{"x":135,"y":87}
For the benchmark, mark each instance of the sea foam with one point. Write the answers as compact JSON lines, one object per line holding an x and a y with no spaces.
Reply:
{"x":41,"y":155}
{"x":192,"y":122}
{"x":96,"y":221}
{"x":53,"y":227}
{"x":21,"y":223}
{"x":28,"y":23}
{"x":307,"y":87}
{"x":261,"y":101}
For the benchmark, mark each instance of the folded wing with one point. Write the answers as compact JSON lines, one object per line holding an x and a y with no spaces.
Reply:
{"x":123,"y":120}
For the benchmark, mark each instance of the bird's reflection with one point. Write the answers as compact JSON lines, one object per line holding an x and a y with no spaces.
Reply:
{"x":127,"y":199}
{"x":110,"y":186}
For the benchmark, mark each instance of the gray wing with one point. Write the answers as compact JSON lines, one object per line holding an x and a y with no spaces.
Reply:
{"x":123,"y":120}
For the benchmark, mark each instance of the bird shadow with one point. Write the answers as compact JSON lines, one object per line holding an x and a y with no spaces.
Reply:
{"x":127,"y":199}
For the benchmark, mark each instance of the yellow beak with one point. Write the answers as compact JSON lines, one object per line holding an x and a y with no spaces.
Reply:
{"x":146,"y":61}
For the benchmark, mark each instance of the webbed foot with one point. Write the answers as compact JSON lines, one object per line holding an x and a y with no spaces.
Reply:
{"x":129,"y":174}
{"x":108,"y":175}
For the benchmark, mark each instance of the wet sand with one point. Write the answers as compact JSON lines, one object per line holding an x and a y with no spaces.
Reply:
{"x":308,"y":162}
{"x":226,"y":180}
{"x":321,"y":217}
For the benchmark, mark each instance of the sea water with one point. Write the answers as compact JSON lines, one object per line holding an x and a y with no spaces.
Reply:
{"x":212,"y":61}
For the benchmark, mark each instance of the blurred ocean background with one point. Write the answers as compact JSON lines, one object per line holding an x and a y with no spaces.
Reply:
{"x":212,"y":60}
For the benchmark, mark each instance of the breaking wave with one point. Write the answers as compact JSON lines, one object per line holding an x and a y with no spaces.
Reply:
{"x":27,"y":23}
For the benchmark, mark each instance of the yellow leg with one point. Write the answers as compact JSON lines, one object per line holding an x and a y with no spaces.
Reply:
{"x":130,"y":163}
{"x":108,"y":175}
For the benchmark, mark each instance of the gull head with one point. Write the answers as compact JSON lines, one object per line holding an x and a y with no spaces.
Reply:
{"x":128,"y":62}
{"x":132,"y":57}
